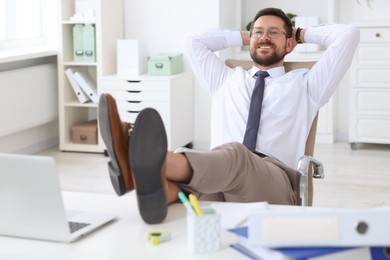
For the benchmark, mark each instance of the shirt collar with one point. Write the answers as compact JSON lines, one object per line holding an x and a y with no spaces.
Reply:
{"x":274,"y":72}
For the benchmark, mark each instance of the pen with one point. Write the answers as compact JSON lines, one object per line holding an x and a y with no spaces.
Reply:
{"x":195,"y":204}
{"x":186,"y":203}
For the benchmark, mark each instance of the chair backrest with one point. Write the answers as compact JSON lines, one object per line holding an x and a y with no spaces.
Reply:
{"x":309,"y":148}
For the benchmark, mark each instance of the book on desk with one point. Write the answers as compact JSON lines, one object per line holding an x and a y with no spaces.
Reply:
{"x":296,"y":253}
{"x":290,"y":232}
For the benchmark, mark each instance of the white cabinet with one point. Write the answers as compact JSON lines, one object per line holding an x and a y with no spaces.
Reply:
{"x":370,"y":87}
{"x":108,"y":25}
{"x":171,"y":96}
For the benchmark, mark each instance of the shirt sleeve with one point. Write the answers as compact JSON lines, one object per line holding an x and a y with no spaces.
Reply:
{"x":201,"y":50}
{"x":340,"y":42}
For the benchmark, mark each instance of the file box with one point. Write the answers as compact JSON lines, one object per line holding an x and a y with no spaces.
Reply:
{"x":85,"y":133}
{"x":78,"y":45}
{"x":89,"y":43}
{"x":165,"y":64}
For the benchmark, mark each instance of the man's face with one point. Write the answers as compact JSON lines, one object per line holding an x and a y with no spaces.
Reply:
{"x":269,"y":43}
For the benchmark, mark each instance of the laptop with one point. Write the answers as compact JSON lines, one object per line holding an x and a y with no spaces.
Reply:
{"x":31,"y":204}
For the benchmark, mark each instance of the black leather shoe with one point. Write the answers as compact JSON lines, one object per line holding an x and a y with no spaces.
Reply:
{"x":147,"y":151}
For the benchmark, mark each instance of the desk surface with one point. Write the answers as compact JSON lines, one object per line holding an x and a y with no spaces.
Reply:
{"x":125,"y":238}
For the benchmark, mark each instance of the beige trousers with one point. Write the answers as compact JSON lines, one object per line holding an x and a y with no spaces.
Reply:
{"x":232,"y":173}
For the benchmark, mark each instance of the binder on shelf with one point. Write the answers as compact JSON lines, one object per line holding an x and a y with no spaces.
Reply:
{"x":82,"y":97}
{"x":78,"y":46}
{"x":88,"y":84}
{"x":89,"y":43}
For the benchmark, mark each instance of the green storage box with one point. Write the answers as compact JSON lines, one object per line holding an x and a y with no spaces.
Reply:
{"x":78,"y":45}
{"x":165,"y":64}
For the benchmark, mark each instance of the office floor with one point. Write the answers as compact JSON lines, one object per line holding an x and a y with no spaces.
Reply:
{"x":354,"y":178}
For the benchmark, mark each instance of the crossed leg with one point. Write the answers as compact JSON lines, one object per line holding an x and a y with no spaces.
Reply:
{"x":159,"y":175}
{"x":176,"y":169}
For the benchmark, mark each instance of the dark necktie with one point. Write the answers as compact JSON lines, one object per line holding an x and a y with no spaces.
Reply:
{"x":252,"y":125}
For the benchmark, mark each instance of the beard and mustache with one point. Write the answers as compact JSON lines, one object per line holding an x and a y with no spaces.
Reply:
{"x":269,"y":60}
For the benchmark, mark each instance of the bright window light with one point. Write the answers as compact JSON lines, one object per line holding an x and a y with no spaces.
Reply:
{"x":24,"y":23}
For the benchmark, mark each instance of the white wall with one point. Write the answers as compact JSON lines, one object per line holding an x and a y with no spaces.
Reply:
{"x":352,"y":11}
{"x":161,"y":27}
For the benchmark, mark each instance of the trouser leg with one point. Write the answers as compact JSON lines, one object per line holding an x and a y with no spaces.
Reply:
{"x":232,"y":173}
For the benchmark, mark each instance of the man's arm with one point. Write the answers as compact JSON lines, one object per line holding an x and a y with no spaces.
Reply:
{"x":341,"y":42}
{"x":209,"y":69}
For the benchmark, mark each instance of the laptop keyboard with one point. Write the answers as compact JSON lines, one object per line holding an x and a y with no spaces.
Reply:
{"x":74,"y":226}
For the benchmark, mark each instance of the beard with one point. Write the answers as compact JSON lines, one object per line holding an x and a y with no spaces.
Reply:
{"x":266,"y":61}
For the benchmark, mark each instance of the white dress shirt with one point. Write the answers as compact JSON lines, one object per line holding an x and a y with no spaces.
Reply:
{"x":291,"y":100}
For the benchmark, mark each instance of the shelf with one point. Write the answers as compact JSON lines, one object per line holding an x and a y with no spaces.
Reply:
{"x":92,"y":148}
{"x":73,"y":63}
{"x":71,"y":111}
{"x":78,"y":104}
{"x":79,"y":22}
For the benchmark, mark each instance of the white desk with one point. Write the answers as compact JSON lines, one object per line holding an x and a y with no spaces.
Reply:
{"x":124,"y":238}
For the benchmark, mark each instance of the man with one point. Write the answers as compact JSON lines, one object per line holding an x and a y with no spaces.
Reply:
{"x":263,"y":168}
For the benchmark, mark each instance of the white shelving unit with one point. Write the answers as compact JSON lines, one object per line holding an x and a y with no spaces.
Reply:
{"x":108,"y":28}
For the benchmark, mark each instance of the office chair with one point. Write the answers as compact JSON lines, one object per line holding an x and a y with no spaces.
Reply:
{"x":307,"y":167}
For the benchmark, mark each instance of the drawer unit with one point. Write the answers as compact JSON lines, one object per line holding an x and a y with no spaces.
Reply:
{"x":171,"y":96}
{"x":369,"y":54}
{"x":377,"y":34}
{"x":370,"y":88}
{"x":141,"y":95}
{"x":372,"y":76}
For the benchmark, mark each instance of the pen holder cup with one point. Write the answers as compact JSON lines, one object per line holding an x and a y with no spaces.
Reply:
{"x":203,"y":232}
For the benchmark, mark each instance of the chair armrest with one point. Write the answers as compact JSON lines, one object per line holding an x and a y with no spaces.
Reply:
{"x":304,"y":164}
{"x":303,"y":169}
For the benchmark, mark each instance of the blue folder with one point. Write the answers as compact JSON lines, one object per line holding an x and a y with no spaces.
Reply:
{"x":303,"y":253}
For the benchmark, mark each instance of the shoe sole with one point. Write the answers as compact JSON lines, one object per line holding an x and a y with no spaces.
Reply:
{"x":147,"y":151}
{"x":116,"y":177}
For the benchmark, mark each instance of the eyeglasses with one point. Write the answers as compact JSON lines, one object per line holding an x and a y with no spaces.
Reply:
{"x":273,"y":33}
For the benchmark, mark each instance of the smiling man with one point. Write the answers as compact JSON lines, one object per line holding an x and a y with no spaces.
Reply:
{"x":264,"y":51}
{"x":253,"y":151}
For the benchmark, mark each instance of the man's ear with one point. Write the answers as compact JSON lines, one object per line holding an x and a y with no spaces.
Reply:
{"x":290,"y":45}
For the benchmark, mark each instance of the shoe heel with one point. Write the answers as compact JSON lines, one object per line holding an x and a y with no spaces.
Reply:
{"x":116,"y":180}
{"x":153,"y":207}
